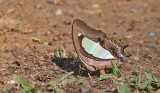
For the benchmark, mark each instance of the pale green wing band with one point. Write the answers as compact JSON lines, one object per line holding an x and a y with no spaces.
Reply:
{"x":95,"y":49}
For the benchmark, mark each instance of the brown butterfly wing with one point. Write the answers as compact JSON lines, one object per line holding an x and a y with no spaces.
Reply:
{"x":81,"y":27}
{"x":90,"y":62}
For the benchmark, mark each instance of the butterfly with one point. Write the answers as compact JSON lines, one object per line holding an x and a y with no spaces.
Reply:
{"x":94,"y":49}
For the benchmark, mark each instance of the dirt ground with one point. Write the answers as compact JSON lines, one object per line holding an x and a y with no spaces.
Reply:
{"x":30,"y":31}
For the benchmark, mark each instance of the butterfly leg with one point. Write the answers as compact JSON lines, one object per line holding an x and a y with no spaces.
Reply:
{"x":80,"y":69}
{"x":102,"y":72}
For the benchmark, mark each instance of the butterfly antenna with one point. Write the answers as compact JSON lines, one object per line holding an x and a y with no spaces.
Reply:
{"x":123,"y":47}
{"x":124,"y":61}
{"x":127,"y":55}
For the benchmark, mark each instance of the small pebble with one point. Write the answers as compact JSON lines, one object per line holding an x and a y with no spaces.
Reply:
{"x":84,"y":89}
{"x":59,"y":12}
{"x":136,"y":57}
{"x":67,"y":23}
{"x":114,"y":11}
{"x":129,"y":36}
{"x":31,"y":34}
{"x":94,"y":84}
{"x":96,"y":6}
{"x":47,"y":33}
{"x":51,"y":54}
{"x":28,"y":30}
{"x":53,"y":1}
{"x":152,"y":34}
{"x":50,"y":1}
{"x":95,"y":11}
{"x":11,"y":82}
{"x":54,"y":26}
{"x":34,"y":39}
{"x":45,"y":43}
{"x":10,"y":11}
{"x":38,"y":6}
{"x":55,"y":38}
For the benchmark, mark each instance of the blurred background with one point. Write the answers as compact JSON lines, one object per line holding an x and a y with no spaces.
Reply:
{"x":30,"y":31}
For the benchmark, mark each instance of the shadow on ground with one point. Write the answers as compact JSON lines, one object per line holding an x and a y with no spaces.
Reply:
{"x":70,"y":64}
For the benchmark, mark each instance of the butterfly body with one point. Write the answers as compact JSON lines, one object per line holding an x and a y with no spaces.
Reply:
{"x":93,"y":47}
